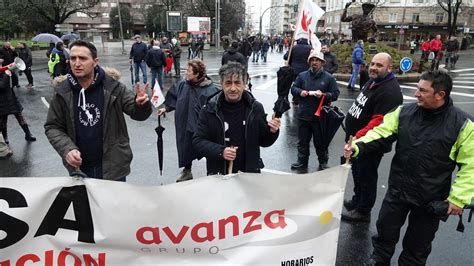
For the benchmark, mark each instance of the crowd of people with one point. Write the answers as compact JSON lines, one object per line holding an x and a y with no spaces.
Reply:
{"x":224,"y":123}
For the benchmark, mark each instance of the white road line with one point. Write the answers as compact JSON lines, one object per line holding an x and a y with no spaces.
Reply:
{"x":462,"y":70}
{"x":45,"y":102}
{"x":452,"y":93}
{"x":270,"y":171}
{"x":268,"y":84}
{"x":464,"y":78}
{"x":465,"y":74}
{"x":454,"y":86}
{"x":405,"y":97}
{"x":463,"y":81}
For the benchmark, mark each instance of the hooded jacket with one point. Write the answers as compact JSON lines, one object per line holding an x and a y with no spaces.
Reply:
{"x":232,"y":55}
{"x":299,"y":56}
{"x":358,"y":55}
{"x":209,"y":139}
{"x":118,"y":99}
{"x":430,"y":144}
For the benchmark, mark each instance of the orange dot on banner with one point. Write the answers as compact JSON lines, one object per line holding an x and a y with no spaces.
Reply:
{"x":325,"y":217}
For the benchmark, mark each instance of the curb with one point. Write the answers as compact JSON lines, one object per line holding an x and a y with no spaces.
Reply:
{"x":404,"y":77}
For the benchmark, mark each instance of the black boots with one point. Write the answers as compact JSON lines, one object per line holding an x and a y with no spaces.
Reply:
{"x":186,"y":175}
{"x":28,"y":135}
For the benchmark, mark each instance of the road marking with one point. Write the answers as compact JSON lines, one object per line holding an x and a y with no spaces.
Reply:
{"x":452,"y":93}
{"x":454,"y":86}
{"x":405,"y":97}
{"x":463,"y":81}
{"x":267,"y":84}
{"x":465,"y":74}
{"x":45,"y":102}
{"x":462,"y":70}
{"x":464,"y":78}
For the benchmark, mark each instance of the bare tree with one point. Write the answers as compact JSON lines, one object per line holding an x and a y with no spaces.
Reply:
{"x":452,"y":7}
{"x":57,"y":11}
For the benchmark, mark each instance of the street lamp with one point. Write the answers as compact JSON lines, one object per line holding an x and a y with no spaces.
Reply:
{"x":217,"y":25}
{"x":261,"y":17}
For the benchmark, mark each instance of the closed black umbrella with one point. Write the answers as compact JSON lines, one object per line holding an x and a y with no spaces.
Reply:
{"x":131,"y":73}
{"x":285,"y":76}
{"x":159,"y":144}
{"x":330,"y":119}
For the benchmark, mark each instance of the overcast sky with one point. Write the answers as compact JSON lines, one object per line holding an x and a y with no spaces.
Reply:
{"x":256,"y":7}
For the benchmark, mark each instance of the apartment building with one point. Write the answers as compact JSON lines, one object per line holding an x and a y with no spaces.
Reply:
{"x":418,"y":18}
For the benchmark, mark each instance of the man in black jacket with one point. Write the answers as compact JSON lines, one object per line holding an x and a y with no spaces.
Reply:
{"x":8,"y":54}
{"x":156,"y":61}
{"x":233,"y":55}
{"x":137,"y":57}
{"x":379,"y":96}
{"x":331,"y":65}
{"x":232,"y":126}
{"x":25,"y":54}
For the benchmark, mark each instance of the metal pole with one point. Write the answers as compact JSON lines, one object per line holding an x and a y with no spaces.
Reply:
{"x":121,"y":28}
{"x":261,"y":18}
{"x":217,"y":25}
{"x":403,"y":22}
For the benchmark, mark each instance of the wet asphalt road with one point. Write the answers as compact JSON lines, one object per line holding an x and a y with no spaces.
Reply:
{"x":38,"y":159}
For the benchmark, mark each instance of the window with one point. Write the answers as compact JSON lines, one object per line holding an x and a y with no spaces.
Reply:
{"x":418,"y":1}
{"x":392,"y":17}
{"x":415,"y":18}
{"x":394,"y":1}
{"x":81,"y":15}
{"x":337,"y":19}
{"x":439,"y":17}
{"x":104,"y":4}
{"x":105,"y":15}
{"x":137,"y":6}
{"x":113,"y":4}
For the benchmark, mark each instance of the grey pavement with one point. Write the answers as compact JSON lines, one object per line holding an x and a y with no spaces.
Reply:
{"x":38,"y":159}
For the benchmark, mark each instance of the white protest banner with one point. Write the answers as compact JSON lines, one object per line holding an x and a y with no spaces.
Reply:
{"x":307,"y":21}
{"x":157,"y":98}
{"x":242,"y":219}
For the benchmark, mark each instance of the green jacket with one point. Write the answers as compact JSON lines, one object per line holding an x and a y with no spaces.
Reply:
{"x":429,"y":146}
{"x":118,"y":99}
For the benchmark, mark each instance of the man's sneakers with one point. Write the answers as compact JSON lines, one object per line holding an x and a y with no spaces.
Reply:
{"x":299,"y":166}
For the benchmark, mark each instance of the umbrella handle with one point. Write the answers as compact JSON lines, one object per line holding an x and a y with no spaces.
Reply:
{"x":351,"y":138}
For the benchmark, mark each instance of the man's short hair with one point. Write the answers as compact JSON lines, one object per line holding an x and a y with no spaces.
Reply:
{"x":233,"y":68}
{"x":440,"y":81}
{"x":234,"y":44}
{"x":86,"y":44}
{"x":198,"y":67}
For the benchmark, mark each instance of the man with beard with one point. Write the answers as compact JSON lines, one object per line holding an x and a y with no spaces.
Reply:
{"x":433,"y":139}
{"x":309,"y":87}
{"x":379,"y":96}
{"x":85,"y":122}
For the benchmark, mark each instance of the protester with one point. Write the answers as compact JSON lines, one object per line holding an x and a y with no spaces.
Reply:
{"x":299,"y":59}
{"x":357,"y":62}
{"x":425,"y":51}
{"x":232,"y":126}
{"x":232,"y":55}
{"x":452,"y":49}
{"x":412,"y":46}
{"x":85,"y":122}
{"x":8,"y":54}
{"x":25,"y":54}
{"x":186,"y":97}
{"x":264,"y":49}
{"x":309,"y":87}
{"x":155,"y":59}
{"x":137,"y":56}
{"x":256,"y":47}
{"x":433,"y":137}
{"x":379,"y":96}
{"x":245,"y":48}
{"x":200,"y":47}
{"x":331,"y":64}
{"x":5,"y":151}
{"x":9,"y":104}
{"x":436,"y":46}
{"x":57,"y":65}
{"x":176,"y":54}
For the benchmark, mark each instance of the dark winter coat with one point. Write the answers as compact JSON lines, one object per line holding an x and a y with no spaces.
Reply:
{"x":138,"y":52}
{"x":331,"y":64}
{"x":176,"y":51}
{"x":118,"y":99}
{"x":187,"y":101}
{"x":25,"y":55}
{"x":256,"y":46}
{"x":7,"y":55}
{"x":310,"y":81}
{"x":232,"y":55}
{"x":245,"y":48}
{"x":299,"y":56}
{"x":155,"y":58}
{"x":9,"y":103}
{"x":209,"y":139}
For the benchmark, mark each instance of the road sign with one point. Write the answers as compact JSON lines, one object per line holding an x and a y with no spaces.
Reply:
{"x":405,"y":64}
{"x":174,"y":21}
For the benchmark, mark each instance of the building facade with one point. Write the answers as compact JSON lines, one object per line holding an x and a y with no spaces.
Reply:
{"x":417,"y":18}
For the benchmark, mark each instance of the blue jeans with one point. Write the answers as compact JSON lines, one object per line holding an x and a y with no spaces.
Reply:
{"x":264,"y":56}
{"x":96,"y":172}
{"x":141,"y":66}
{"x":157,"y":73}
{"x":355,"y":73}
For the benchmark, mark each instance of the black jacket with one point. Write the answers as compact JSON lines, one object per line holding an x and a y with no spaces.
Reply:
{"x":209,"y":142}
{"x":7,"y":55}
{"x":232,"y":55}
{"x":299,"y":56}
{"x":138,"y":52}
{"x":9,"y":103}
{"x":155,"y":58}
{"x":331,"y":64}
{"x":25,"y":55}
